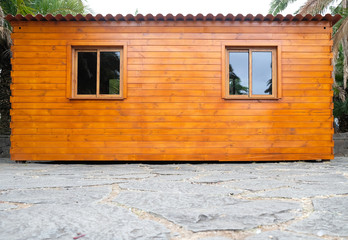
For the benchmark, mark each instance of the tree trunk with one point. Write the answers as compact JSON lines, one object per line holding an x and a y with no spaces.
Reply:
{"x":345,"y":62}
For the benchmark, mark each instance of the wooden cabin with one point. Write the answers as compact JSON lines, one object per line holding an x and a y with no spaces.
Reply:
{"x":172,"y":88}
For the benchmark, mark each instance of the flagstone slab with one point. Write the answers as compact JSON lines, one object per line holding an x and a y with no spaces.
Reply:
{"x":94,"y":221}
{"x":329,"y":217}
{"x":282,"y":235}
{"x":207,"y":212}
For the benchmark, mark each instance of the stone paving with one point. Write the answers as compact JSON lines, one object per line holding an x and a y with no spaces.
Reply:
{"x":198,"y":201}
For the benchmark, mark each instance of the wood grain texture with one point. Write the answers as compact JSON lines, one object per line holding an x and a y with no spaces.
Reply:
{"x":174,"y":110}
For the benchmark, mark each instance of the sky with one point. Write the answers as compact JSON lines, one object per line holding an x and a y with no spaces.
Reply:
{"x":185,"y":6}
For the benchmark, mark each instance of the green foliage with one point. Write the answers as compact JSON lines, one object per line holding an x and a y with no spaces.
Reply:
{"x":341,"y":11}
{"x":44,"y":7}
{"x":277,"y":6}
{"x":339,"y":67}
{"x":16,"y":7}
{"x":340,"y":99}
{"x":23,"y":7}
{"x":55,"y":7}
{"x":341,"y":113}
{"x":8,"y":7}
{"x":315,"y":6}
{"x":309,"y":7}
{"x":114,"y":86}
{"x":5,"y":81}
{"x":340,"y":31}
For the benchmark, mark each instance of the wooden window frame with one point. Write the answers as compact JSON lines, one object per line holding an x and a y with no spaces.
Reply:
{"x":254,"y":47}
{"x":74,"y":47}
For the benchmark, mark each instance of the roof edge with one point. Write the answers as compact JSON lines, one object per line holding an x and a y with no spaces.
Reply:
{"x":179,"y":17}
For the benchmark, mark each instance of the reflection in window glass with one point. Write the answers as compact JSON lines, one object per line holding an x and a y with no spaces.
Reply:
{"x":238,"y":73}
{"x":86,"y":73}
{"x":262,"y":73}
{"x":109,"y":73}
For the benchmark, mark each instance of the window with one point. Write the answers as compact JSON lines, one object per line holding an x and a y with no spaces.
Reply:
{"x":251,"y":73}
{"x":97,"y":73}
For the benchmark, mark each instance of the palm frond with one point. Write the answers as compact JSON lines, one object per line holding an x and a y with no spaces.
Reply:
{"x":276,"y":6}
{"x":23,"y":7}
{"x":315,"y":6}
{"x":341,"y":32}
{"x":5,"y":33}
{"x":9,"y":7}
{"x":59,"y":6}
{"x":339,"y":92}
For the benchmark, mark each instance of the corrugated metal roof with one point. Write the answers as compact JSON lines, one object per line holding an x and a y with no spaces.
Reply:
{"x":178,"y":17}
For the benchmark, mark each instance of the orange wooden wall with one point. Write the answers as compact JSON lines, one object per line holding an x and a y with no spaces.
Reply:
{"x":173,"y":109}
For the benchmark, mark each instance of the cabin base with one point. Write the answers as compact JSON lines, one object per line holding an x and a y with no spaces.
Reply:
{"x":22,"y":162}
{"x":168,"y":158}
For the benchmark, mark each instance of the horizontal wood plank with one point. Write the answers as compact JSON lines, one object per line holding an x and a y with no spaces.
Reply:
{"x":217,"y":28}
{"x":222,"y":36}
{"x":301,"y":39}
{"x":22,"y":147}
{"x":169,"y":157}
{"x":246,"y":134}
{"x":168,"y":112}
{"x":178,"y":119}
{"x":172,"y":150}
{"x":170,"y":125}
{"x":244,"y":139}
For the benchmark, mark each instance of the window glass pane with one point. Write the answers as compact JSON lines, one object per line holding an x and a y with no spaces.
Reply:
{"x":239,"y":73}
{"x":262,"y":73}
{"x":87,"y":73}
{"x":109,"y":72}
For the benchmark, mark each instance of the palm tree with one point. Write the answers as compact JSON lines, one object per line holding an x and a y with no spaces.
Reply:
{"x":340,"y":30}
{"x":339,"y":49}
{"x":23,"y":7}
{"x":5,"y":33}
{"x":309,"y":7}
